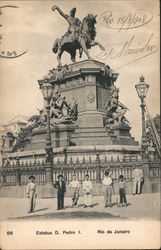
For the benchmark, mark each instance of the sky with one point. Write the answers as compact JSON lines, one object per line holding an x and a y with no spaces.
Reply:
{"x":129,"y":31}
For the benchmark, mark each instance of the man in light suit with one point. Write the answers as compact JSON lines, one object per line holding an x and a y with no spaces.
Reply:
{"x":61,"y":189}
{"x":31,"y":194}
{"x":137,"y":179}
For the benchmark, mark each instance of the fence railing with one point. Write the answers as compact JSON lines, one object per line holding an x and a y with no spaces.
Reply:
{"x":18,"y":173}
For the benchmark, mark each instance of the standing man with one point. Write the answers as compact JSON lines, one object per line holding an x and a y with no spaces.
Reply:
{"x":31,"y":194}
{"x":107,"y":182}
{"x":75,"y":187}
{"x":137,"y":179}
{"x":122,"y":191}
{"x":61,"y":189}
{"x":87,"y":188}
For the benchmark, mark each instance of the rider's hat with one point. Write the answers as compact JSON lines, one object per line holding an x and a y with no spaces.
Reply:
{"x":73,"y":10}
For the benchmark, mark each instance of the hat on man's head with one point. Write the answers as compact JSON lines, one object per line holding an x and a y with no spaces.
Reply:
{"x":60,"y":175}
{"x":139,"y":164}
{"x":121,"y":176}
{"x":106,"y":173}
{"x":31,"y":177}
{"x":87,"y":175}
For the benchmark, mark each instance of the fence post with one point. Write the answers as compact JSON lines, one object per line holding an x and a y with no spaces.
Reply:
{"x":147,"y":186}
{"x":98,"y":169}
{"x":146,"y":168}
{"x":3,"y":177}
{"x":18,"y":172}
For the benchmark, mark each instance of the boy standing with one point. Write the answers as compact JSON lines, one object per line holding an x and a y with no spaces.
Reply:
{"x":61,"y":189}
{"x":107,"y":182}
{"x":31,"y":193}
{"x":75,"y":187}
{"x":122,"y":191}
{"x":87,"y":188}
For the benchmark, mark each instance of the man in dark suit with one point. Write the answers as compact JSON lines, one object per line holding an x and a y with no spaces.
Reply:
{"x":61,"y":189}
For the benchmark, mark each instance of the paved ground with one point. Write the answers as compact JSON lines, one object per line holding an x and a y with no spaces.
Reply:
{"x":139,"y":207}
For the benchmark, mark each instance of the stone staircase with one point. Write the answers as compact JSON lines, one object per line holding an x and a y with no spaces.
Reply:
{"x":104,"y":136}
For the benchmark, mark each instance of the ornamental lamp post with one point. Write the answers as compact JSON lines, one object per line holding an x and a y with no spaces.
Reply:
{"x":142,"y":89}
{"x":47,"y":92}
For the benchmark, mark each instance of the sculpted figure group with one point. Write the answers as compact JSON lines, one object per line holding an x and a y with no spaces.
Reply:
{"x":115,"y":110}
{"x":61,"y":112}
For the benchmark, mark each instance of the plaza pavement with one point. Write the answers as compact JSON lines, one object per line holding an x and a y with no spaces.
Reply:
{"x":139,"y":207}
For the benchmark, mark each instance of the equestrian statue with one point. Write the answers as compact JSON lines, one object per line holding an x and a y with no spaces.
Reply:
{"x":80,"y":35}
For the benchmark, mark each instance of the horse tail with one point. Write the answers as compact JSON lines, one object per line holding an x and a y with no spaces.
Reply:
{"x":56,"y":45}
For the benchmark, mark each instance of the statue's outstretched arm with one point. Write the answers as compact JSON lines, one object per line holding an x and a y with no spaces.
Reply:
{"x":55,"y":7}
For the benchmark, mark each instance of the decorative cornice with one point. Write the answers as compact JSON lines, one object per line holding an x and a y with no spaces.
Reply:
{"x":60,"y":75}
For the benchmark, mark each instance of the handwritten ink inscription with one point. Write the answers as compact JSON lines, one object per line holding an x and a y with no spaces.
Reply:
{"x":122,"y":20}
{"x":12,"y":53}
{"x":131,"y":49}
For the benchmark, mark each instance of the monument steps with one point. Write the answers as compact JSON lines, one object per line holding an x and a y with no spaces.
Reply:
{"x":90,"y":133}
{"x":90,"y":129}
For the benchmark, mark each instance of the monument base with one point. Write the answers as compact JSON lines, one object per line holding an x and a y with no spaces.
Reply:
{"x":117,"y":134}
{"x":60,"y":136}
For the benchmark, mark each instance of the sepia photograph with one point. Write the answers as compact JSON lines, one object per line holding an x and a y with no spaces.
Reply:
{"x":80,"y":124}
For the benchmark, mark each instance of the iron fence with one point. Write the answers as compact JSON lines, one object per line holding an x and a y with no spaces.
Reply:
{"x":18,"y":173}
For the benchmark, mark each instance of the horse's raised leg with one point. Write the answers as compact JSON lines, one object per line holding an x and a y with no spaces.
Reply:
{"x":73,"y":55}
{"x":80,"y":52}
{"x":83,"y":45}
{"x":94,"y":43}
{"x":59,"y":57}
{"x":55,"y":45}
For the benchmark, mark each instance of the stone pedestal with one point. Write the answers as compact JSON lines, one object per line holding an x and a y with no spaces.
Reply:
{"x":90,"y":83}
{"x":60,"y":137}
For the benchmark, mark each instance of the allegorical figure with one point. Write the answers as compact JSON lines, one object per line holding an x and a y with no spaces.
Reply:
{"x":31,"y":193}
{"x":73,"y":111}
{"x":61,"y":189}
{"x":137,"y":175}
{"x":115,"y":110}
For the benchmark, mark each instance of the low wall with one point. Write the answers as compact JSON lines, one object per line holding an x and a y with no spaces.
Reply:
{"x":149,"y":186}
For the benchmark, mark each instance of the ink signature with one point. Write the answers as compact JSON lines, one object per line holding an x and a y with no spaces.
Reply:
{"x":123,"y":20}
{"x":9,"y":54}
{"x":129,"y":50}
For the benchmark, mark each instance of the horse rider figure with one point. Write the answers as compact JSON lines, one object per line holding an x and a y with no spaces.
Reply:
{"x":74,"y":23}
{"x":80,"y":35}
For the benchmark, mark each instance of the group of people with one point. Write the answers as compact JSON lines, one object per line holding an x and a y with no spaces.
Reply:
{"x":74,"y":185}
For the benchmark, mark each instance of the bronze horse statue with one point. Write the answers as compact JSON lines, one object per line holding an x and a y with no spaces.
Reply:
{"x":83,"y":39}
